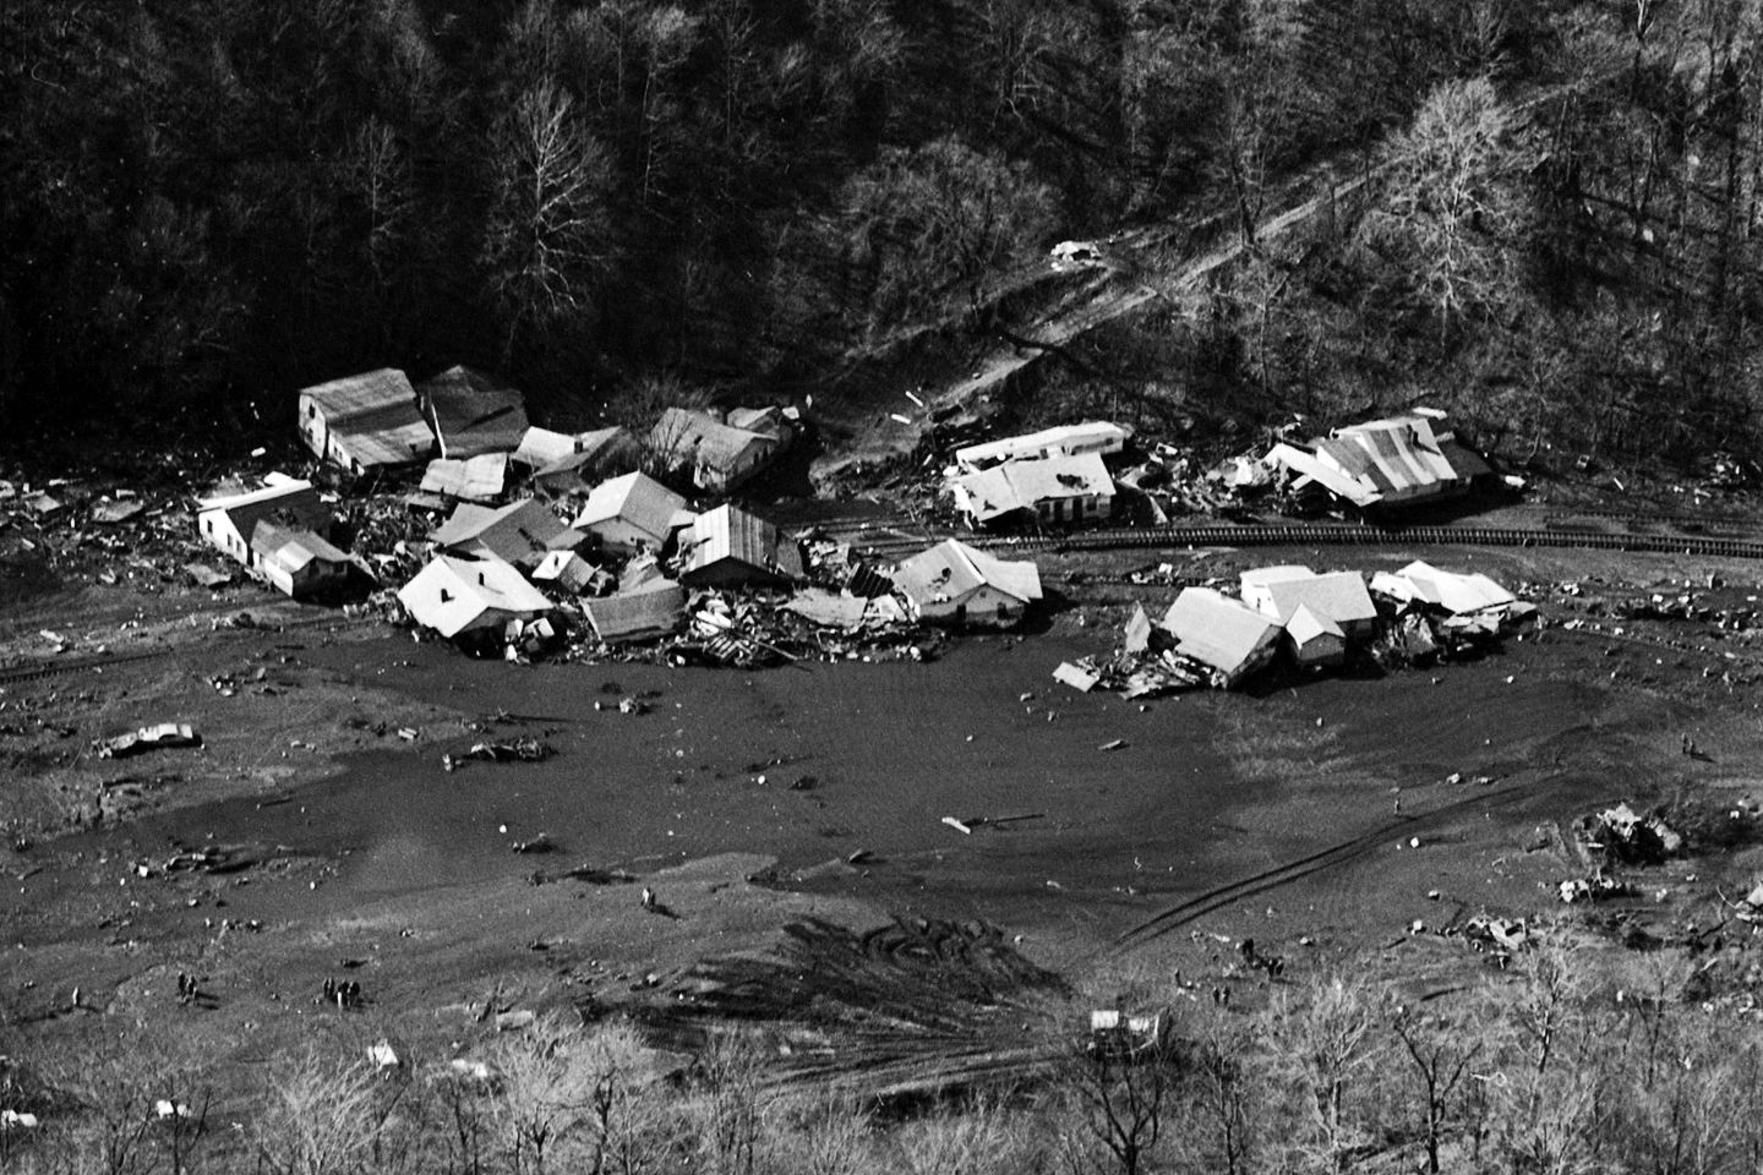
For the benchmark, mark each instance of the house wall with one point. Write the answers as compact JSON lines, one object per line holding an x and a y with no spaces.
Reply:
{"x":1082,"y":508}
{"x":314,"y":429}
{"x":218,"y":530}
{"x":984,"y":605}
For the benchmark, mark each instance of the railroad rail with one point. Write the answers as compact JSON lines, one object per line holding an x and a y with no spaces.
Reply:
{"x":1123,"y":538}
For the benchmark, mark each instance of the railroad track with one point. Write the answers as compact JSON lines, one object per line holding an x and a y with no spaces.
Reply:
{"x":1126,"y":538}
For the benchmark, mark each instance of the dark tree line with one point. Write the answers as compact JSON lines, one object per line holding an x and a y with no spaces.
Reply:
{"x":205,"y":205}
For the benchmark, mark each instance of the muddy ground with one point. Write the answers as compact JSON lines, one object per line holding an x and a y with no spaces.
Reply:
{"x":780,"y":817}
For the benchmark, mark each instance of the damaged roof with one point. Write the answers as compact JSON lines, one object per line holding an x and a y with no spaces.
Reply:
{"x":471,"y":413}
{"x":1218,"y":631}
{"x":453,"y":595}
{"x":1382,"y":461}
{"x":514,"y":533}
{"x":952,"y":569}
{"x":1021,"y":485}
{"x":654,"y":610}
{"x":374,"y":416}
{"x":731,"y":535}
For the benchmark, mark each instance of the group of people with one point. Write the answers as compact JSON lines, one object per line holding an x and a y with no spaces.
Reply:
{"x":346,"y":994}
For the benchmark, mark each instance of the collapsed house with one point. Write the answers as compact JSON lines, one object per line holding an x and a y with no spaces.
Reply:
{"x":716,"y":454}
{"x":952,"y":583}
{"x":273,"y":533}
{"x":365,"y":422}
{"x":470,"y":414}
{"x":460,"y":597}
{"x":632,"y":513}
{"x":1472,"y":604}
{"x":1046,"y":490}
{"x":1231,"y":639}
{"x":521,"y":533}
{"x":1381,"y":463}
{"x":728,"y":547}
{"x":1068,"y":440}
{"x":570,"y":572}
{"x":652,"y":609}
{"x":471,"y":479}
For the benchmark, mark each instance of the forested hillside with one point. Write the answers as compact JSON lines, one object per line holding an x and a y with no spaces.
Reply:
{"x":203,"y":205}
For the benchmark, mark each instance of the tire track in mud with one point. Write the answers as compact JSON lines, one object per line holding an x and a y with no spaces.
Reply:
{"x":1179,"y":915}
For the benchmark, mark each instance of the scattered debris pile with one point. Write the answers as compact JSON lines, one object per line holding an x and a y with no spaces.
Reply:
{"x":1621,"y":836}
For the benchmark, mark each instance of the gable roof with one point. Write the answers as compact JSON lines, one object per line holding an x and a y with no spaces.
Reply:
{"x":1454,"y":592}
{"x":471,"y":413}
{"x":1339,"y":596}
{"x":453,"y":595}
{"x":293,"y":548}
{"x":513,"y":533}
{"x":374,"y":416}
{"x":1218,"y":631}
{"x":635,"y":498}
{"x":728,"y":534}
{"x":952,"y":569}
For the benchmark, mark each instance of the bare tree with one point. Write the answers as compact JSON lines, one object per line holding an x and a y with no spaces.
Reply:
{"x":1440,"y":1049}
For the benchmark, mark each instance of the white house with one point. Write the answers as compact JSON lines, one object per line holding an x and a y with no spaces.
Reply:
{"x":1338,"y":596}
{"x":631,"y":512}
{"x":717,"y":455}
{"x":456,"y":596}
{"x":953,"y":583}
{"x":1226,"y":635}
{"x":274,"y":533}
{"x":298,"y":563}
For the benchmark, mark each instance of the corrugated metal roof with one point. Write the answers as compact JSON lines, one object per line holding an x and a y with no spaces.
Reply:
{"x":374,"y":417}
{"x":730,"y":535}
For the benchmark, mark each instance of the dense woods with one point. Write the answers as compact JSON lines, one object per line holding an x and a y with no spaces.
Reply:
{"x":204,"y":205}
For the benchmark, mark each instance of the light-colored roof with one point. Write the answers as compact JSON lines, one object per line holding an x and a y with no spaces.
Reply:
{"x":1218,"y":631}
{"x":476,"y":479}
{"x":1094,"y":434}
{"x":654,"y":610}
{"x":565,"y":567}
{"x":683,"y":434}
{"x":293,"y":548}
{"x":478,"y":592}
{"x":1262,"y":576}
{"x":1020,"y":485}
{"x":1455,"y":592}
{"x":635,"y":498}
{"x":1339,"y":596}
{"x":952,"y":569}
{"x":1305,"y":626}
{"x":730,"y":534}
{"x":545,"y":450}
{"x":472,"y":413}
{"x":375,"y":415}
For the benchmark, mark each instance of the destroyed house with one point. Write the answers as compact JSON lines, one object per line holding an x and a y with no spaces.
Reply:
{"x":1069,"y":440}
{"x":1381,"y":462}
{"x":229,"y":522}
{"x":716,"y":455}
{"x":632,"y":512}
{"x":1227,"y":636}
{"x":471,"y":479}
{"x":521,"y":533}
{"x":297,"y":563}
{"x":1051,"y":491}
{"x":728,"y":547}
{"x":365,"y":422}
{"x":652,"y":611}
{"x":470,"y":414}
{"x":455,"y":596}
{"x":569,"y":571}
{"x":954,"y":583}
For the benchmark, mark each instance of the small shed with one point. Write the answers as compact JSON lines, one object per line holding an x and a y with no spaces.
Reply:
{"x":1315,"y":640}
{"x":952,"y":583}
{"x":570,"y":572}
{"x":457,"y":596}
{"x":632,"y":512}
{"x":728,"y":547}
{"x":365,"y":422}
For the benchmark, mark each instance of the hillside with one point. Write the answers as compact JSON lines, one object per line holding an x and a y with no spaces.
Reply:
{"x":1539,"y":215}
